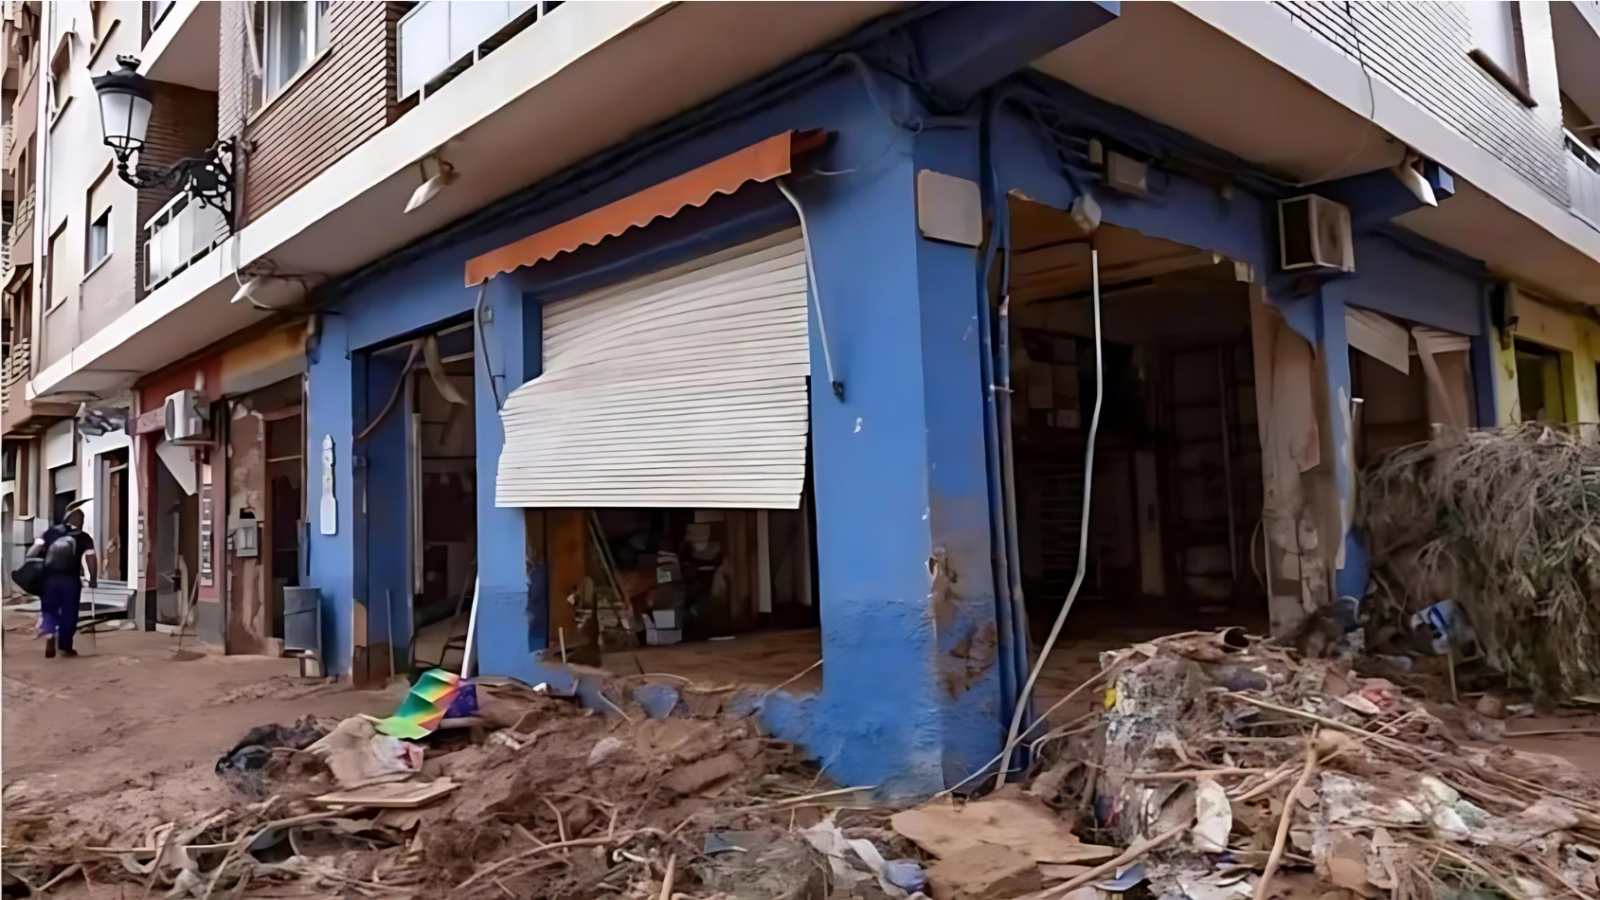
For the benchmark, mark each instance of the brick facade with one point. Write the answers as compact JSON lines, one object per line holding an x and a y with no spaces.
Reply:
{"x":344,"y":97}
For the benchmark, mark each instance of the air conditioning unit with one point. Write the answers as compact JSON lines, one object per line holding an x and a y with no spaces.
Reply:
{"x":186,"y":420}
{"x":1314,"y":233}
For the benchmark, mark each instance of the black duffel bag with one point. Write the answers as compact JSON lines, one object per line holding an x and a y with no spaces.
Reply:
{"x":30,"y":575}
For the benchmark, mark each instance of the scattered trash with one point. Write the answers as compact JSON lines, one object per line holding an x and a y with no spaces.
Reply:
{"x":1446,"y":627}
{"x":1008,"y":819}
{"x":510,"y":802}
{"x":358,"y":755}
{"x":245,"y":766}
{"x":843,"y":853}
{"x":396,"y":796}
{"x":658,"y":700}
{"x":1217,"y":767}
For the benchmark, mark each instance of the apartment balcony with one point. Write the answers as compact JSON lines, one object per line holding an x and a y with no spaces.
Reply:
{"x":1583,"y":179}
{"x":177,"y":235}
{"x":1576,"y":27}
{"x":19,"y":237}
{"x":13,"y":372}
{"x":537,"y":92}
{"x":18,"y":415}
{"x":440,"y":39}
{"x":183,"y":45}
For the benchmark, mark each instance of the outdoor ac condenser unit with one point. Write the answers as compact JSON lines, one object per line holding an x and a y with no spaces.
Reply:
{"x":1314,"y":233}
{"x":185,"y":421}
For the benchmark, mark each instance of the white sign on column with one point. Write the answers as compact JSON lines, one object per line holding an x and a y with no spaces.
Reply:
{"x":330,"y":506}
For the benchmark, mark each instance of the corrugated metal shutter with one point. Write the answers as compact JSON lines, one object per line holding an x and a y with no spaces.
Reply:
{"x":1378,"y":336}
{"x":687,"y":388}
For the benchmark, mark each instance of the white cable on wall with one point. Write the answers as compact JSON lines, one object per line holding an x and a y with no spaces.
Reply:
{"x":1012,"y":737}
{"x":815,"y":289}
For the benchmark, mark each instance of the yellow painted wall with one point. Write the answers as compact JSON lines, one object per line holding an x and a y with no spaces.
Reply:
{"x":1575,"y":337}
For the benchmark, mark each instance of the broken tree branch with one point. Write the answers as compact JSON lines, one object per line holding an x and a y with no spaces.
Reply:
{"x":1128,"y":856}
{"x":560,"y":845}
{"x":1281,"y":841}
{"x":669,"y":877}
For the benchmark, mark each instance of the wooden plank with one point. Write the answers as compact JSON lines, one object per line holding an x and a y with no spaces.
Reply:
{"x":564,"y":545}
{"x":394,"y":795}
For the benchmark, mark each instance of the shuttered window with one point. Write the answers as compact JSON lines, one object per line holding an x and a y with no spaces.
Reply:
{"x":687,"y":388}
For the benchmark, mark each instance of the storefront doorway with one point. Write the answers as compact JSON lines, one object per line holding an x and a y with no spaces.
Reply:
{"x":176,"y":508}
{"x":418,"y":503}
{"x":1177,"y":492}
{"x":663,"y":456}
{"x":266,"y":511}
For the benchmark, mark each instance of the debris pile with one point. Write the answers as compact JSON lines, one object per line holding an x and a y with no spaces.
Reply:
{"x":1212,"y":766}
{"x":1230,"y":768}
{"x":532,"y":796}
{"x":1504,"y":522}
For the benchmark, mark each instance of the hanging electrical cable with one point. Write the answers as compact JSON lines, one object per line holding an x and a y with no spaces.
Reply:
{"x":394,"y":395}
{"x":1004,"y":395}
{"x":1013,"y":737}
{"x":813,"y":288}
{"x":477,"y":328}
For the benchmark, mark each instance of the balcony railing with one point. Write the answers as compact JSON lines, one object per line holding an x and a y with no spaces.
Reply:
{"x":180,"y":233}
{"x":13,"y":371}
{"x":1583,"y":180}
{"x":440,"y":39}
{"x":21,"y":222}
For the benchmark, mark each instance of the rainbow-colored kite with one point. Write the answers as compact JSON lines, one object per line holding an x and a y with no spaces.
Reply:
{"x":425,"y":707}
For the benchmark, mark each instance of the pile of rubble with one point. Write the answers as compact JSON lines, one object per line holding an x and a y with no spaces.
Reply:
{"x":533,"y":796}
{"x":1217,"y":767}
{"x":1231,"y":768}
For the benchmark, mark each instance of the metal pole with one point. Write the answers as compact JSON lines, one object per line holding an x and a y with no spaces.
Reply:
{"x":1227,"y":465}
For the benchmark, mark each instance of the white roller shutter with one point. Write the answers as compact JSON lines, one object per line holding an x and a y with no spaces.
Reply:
{"x":1378,"y":336}
{"x":682,"y":389}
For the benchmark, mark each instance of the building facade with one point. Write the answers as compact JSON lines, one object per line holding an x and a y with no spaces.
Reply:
{"x":705,"y":320}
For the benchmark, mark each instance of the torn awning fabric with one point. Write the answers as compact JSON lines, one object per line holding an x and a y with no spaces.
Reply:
{"x":757,"y":163}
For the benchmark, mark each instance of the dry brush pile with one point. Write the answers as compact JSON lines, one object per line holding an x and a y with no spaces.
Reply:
{"x":1506,"y":523}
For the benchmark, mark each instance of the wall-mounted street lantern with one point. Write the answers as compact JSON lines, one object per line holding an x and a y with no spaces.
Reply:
{"x":125,"y":106}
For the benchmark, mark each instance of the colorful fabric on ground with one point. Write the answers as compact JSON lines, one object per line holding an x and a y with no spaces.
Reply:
{"x":422,"y":709}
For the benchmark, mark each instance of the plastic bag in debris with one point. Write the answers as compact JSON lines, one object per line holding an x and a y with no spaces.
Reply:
{"x":244,"y":765}
{"x":1445,"y":625}
{"x":828,"y":840}
{"x":359,"y":755}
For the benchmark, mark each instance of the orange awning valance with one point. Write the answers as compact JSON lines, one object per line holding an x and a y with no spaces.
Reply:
{"x":765,"y":161}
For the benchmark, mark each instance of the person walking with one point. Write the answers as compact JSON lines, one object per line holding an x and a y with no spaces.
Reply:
{"x":68,"y":553}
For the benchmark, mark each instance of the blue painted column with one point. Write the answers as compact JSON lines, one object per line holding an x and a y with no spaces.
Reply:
{"x":330,"y":412}
{"x":511,"y":616}
{"x":1334,"y":350}
{"x":1335,"y":353}
{"x":910,"y":695}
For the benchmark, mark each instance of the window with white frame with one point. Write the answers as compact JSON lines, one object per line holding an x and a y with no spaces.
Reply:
{"x":1497,"y":44}
{"x":291,"y":34}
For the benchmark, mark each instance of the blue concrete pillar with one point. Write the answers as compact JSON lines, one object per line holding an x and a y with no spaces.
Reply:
{"x":910,"y":697}
{"x":1335,"y":352}
{"x":329,"y":413}
{"x":511,"y":609}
